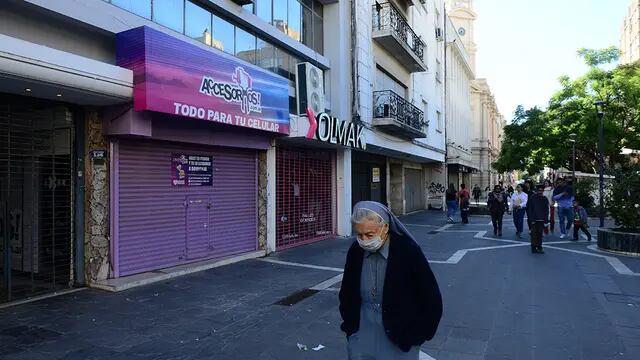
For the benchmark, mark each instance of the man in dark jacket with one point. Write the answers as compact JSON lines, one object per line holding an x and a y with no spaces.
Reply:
{"x":498,"y":203}
{"x":538,"y":213}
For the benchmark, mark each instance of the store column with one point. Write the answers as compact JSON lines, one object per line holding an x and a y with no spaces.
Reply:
{"x":271,"y":198}
{"x":343,"y":187}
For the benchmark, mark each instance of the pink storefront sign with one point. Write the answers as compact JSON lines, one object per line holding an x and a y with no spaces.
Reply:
{"x":175,"y":77}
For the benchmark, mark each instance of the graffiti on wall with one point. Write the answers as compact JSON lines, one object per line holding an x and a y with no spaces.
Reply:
{"x":436,"y":189}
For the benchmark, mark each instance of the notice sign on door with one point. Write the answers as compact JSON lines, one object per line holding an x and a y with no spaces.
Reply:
{"x":375,"y":174}
{"x":191,"y":170}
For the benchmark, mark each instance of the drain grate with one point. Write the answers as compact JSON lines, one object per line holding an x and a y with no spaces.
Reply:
{"x":296,"y":297}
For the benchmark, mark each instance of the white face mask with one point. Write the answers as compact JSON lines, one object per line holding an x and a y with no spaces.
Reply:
{"x":372,"y":245}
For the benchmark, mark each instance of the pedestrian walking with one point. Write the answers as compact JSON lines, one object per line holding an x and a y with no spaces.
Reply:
{"x":538,"y":213}
{"x":548,"y":193}
{"x":476,"y":193}
{"x":518,"y":207}
{"x":529,"y":190}
{"x":390,"y":302}
{"x":580,"y":221}
{"x":465,"y":200}
{"x":498,"y":203}
{"x":452,"y":203}
{"x":563,"y":195}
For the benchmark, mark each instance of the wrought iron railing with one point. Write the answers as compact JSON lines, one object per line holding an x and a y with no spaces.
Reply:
{"x":388,"y":104}
{"x":387,"y":17}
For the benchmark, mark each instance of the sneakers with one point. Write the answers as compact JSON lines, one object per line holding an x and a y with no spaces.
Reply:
{"x":589,"y":239}
{"x":563,"y":236}
{"x":500,"y":233}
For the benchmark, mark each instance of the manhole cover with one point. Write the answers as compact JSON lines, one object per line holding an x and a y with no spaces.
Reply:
{"x":296,"y":297}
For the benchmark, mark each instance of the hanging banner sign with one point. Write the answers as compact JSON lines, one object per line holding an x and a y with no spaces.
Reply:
{"x":191,"y":170}
{"x":175,"y":77}
{"x":335,"y":131}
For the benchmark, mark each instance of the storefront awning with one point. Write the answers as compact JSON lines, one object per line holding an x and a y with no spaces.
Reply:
{"x":35,"y":70}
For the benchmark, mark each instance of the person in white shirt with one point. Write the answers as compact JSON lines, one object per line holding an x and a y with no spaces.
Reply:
{"x":518,"y":207}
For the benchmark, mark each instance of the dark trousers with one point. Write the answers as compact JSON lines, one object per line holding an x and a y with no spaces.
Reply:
{"x":464,"y":213}
{"x":518,"y":218}
{"x":577,"y":228}
{"x":496,"y":219}
{"x":536,"y":234}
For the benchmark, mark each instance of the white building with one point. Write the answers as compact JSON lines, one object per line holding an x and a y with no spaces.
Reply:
{"x":630,"y":34}
{"x":487,"y":123}
{"x":459,"y":116}
{"x":400,"y":101}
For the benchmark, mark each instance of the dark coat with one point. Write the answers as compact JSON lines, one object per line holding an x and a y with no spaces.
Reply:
{"x":412,"y":304}
{"x":538,"y":208}
{"x":497,"y":202}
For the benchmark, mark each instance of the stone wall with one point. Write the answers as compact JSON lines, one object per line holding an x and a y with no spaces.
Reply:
{"x":262,"y":200}
{"x":96,"y":247}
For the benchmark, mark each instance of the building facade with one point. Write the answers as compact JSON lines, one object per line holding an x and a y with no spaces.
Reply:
{"x":487,"y":134}
{"x":630,"y":34}
{"x":144,"y":135}
{"x":399,"y":100}
{"x":460,"y":162}
{"x":150,"y":134}
{"x":487,"y":123}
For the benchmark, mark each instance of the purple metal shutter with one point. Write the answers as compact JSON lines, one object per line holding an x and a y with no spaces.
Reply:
{"x":152,"y":215}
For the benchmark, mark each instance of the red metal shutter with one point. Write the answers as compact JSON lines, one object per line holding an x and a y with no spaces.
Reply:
{"x":303,"y":196}
{"x":160,"y":225}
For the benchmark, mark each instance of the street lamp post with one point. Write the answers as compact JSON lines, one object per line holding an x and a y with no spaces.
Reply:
{"x":600,"y":105}
{"x":573,"y":158}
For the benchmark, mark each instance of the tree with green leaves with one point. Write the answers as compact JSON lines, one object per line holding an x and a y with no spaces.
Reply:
{"x":537,"y":138}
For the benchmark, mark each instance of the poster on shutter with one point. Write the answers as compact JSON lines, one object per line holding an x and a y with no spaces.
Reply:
{"x":375,"y":175}
{"x":191,"y":170}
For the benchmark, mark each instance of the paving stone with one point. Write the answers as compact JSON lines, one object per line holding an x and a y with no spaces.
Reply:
{"x":498,"y":304}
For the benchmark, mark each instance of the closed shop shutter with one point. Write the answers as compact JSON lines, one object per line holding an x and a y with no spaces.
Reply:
{"x":36,"y":197}
{"x":414,"y":191}
{"x":303,"y":197}
{"x":160,"y":225}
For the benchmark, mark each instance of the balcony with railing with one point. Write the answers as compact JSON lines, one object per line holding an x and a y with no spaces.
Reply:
{"x":396,"y":116}
{"x":392,"y":31}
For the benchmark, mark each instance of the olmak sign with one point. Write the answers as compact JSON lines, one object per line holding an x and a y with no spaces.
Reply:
{"x":175,"y":77}
{"x":335,"y":131}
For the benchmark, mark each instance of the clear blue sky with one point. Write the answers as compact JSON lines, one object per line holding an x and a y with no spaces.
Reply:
{"x":525,"y":45}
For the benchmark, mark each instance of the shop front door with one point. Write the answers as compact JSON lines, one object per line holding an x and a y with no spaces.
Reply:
{"x":414,"y":192}
{"x":35,"y":197}
{"x":199,"y":228}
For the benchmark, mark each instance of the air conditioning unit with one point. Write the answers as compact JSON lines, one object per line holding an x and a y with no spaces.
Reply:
{"x":439,"y":34}
{"x":309,"y":88}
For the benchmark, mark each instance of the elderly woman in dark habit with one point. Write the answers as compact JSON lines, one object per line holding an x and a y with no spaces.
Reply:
{"x":389,"y":301}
